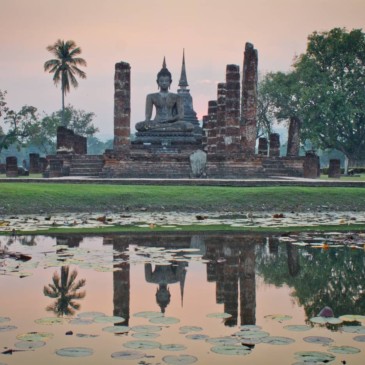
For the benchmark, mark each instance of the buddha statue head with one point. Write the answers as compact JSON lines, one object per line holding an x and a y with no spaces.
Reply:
{"x":164,"y":77}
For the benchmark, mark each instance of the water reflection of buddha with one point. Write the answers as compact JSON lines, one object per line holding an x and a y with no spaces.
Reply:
{"x":164,"y":275}
{"x":169,"y":108}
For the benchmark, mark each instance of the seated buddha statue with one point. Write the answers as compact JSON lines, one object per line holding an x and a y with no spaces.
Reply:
{"x":169,"y":108}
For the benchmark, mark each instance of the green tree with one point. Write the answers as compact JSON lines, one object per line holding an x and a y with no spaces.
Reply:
{"x":18,"y":126}
{"x":65,"y":66}
{"x":325,"y":91}
{"x":66,"y":290}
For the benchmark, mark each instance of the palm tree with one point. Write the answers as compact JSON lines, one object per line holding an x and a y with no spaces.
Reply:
{"x":65,"y":66}
{"x":65,"y":289}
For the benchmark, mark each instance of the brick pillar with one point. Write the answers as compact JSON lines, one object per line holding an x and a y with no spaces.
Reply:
{"x":34,"y":164}
{"x":263,"y":146}
{"x":80,"y":145}
{"x":205,"y":132}
{"x":293,"y":137}
{"x":311,"y":166}
{"x":249,"y":99}
{"x":122,"y":104}
{"x":274,"y":145}
{"x":65,"y":140}
{"x":42,"y":164}
{"x":221,"y":115}
{"x":55,"y":167}
{"x":233,"y":134}
{"x":334,"y":169}
{"x":11,"y":166}
{"x":212,"y":127}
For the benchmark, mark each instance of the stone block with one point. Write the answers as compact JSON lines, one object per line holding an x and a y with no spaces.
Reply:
{"x":311,"y":166}
{"x":334,"y":169}
{"x":198,"y":162}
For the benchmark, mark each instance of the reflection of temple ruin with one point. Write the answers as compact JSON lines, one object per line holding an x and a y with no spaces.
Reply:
{"x":232,"y":267}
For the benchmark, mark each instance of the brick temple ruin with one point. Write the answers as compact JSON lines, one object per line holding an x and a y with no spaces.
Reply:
{"x":224,"y":146}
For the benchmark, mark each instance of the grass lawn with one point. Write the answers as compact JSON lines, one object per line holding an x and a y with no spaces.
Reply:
{"x":34,"y":198}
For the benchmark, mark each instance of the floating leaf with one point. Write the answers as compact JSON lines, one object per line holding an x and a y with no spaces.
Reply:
{"x":35,"y":336}
{"x":29,"y":345}
{"x":165,"y":320}
{"x":90,"y":314}
{"x":172,"y":347}
{"x":128,"y":355}
{"x":7,"y":328}
{"x":352,"y":318}
{"x":278,"y":317}
{"x":146,"y":328}
{"x":82,"y":321}
{"x":219,"y":315}
{"x":297,"y":327}
{"x":252,"y":334}
{"x":222,"y":340}
{"x":49,"y":321}
{"x":325,"y":320}
{"x":179,"y":359}
{"x":187,"y":329}
{"x":145,"y":335}
{"x":197,"y":336}
{"x":354,"y":329}
{"x":250,"y":327}
{"x":277,"y":340}
{"x":142,"y":344}
{"x":318,"y":339}
{"x":86,"y":335}
{"x":344,"y":350}
{"x":109,"y":319}
{"x":148,"y":314}
{"x":231,"y":350}
{"x":116,"y":329}
{"x":74,"y":351}
{"x":360,"y":338}
{"x":314,"y":357}
{"x":4,"y":319}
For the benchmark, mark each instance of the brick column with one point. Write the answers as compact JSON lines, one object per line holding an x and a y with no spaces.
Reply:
{"x":221,"y":115}
{"x":249,"y":99}
{"x":334,"y":169}
{"x":11,"y":166}
{"x":311,"y":166}
{"x":205,"y":132}
{"x":122,"y":105}
{"x":34,"y":164}
{"x":274,"y":145}
{"x":293,"y":137}
{"x":263,"y":146}
{"x":233,"y":135}
{"x":212,"y":127}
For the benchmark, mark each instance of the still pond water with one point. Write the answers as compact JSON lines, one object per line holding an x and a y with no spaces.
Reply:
{"x":183,"y":299}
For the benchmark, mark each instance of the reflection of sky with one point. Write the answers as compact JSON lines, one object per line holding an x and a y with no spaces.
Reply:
{"x":140,"y":32}
{"x":22,"y":300}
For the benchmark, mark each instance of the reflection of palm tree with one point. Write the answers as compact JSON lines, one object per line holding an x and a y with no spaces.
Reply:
{"x":65,"y":288}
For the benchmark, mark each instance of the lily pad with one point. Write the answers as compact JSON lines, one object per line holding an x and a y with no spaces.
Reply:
{"x":145,"y":335}
{"x":360,"y":338}
{"x":352,"y":318}
{"x":4,"y":319}
{"x":277,"y":340}
{"x":197,"y":336}
{"x":354,"y":329}
{"x":297,"y":327}
{"x":146,"y":328}
{"x":109,"y":319}
{"x":86,"y":335}
{"x":49,"y":321}
{"x":7,"y":328}
{"x":318,"y":339}
{"x":187,"y":329}
{"x":250,"y":327}
{"x":314,"y":357}
{"x":179,"y":359}
{"x":325,"y":320}
{"x":35,"y":336}
{"x":165,"y":320}
{"x":173,"y":347}
{"x":222,"y":340}
{"x":128,"y":355}
{"x":148,"y":314}
{"x":251,"y":334}
{"x":116,"y":329}
{"x":219,"y":315}
{"x":82,"y":321}
{"x":75,"y":351}
{"x":90,"y":314}
{"x":231,"y":350}
{"x":142,"y":344}
{"x":29,"y":345}
{"x":344,"y":350}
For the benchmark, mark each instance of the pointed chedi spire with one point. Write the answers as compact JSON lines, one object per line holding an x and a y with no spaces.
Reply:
{"x":183,"y":83}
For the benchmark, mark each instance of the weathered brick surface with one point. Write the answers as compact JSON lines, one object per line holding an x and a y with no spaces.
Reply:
{"x":11,"y":166}
{"x":211,"y":131}
{"x":311,"y":166}
{"x":69,"y":142}
{"x":122,"y":105}
{"x":221,"y":115}
{"x":263,"y":146}
{"x":274,"y":145}
{"x":34,"y":163}
{"x":334,"y":169}
{"x":293,"y":137}
{"x":249,"y":99}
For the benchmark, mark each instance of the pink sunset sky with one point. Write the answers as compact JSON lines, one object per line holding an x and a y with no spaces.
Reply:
{"x":141,"y":32}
